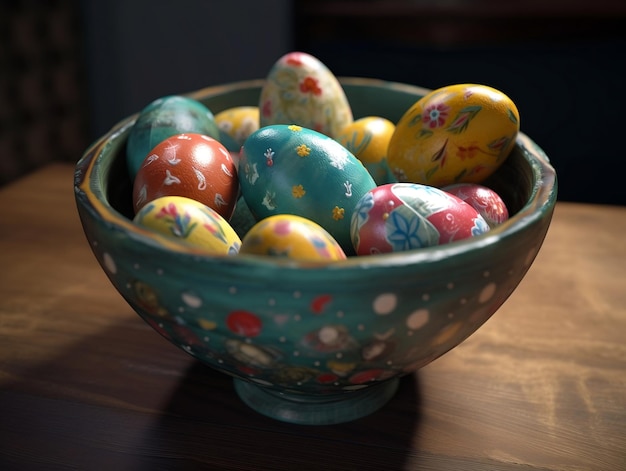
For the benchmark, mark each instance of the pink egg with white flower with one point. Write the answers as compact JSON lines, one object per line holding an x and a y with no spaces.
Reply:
{"x":397,"y":217}
{"x":483,"y":199}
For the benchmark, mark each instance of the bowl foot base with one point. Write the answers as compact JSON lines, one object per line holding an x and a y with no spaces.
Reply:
{"x":315,"y":409}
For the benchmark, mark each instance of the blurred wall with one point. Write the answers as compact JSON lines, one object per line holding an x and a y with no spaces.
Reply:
{"x":43,"y":112}
{"x":139,"y":50}
{"x":70,"y":69}
{"x":561,"y":61}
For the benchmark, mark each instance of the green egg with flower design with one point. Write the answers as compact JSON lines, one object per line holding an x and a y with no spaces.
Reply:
{"x":289,"y":169}
{"x":162,"y":118}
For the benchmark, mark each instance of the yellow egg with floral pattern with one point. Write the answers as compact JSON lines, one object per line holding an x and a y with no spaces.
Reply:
{"x":291,"y":236}
{"x":300,"y":89}
{"x":458,"y":133}
{"x":191,"y":223}
{"x":368,"y":139}
{"x":238,"y":122}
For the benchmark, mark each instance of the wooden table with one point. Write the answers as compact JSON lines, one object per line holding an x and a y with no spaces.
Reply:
{"x":86,"y":384}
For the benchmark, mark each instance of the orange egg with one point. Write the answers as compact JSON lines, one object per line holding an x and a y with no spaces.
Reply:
{"x":191,"y":165}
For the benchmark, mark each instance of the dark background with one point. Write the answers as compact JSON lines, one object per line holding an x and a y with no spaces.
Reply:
{"x":71,"y":69}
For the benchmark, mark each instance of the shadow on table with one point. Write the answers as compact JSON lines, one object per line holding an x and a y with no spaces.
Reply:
{"x":127,"y":399}
{"x":206,"y":422}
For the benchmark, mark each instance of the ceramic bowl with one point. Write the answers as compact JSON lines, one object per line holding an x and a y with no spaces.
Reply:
{"x":304,"y":343}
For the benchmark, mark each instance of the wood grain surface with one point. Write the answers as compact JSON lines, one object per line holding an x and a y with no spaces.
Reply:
{"x":86,"y":384}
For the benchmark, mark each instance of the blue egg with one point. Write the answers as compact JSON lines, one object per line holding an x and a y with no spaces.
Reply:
{"x":163,"y":118}
{"x":289,"y":169}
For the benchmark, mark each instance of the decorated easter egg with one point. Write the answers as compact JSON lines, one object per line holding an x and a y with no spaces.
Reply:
{"x":295,"y":237}
{"x":162,"y":118}
{"x":191,"y":165}
{"x":368,"y":138}
{"x":455,"y":134}
{"x":486,"y":201}
{"x":403,"y":216}
{"x":288,"y":169}
{"x":238,"y":122}
{"x":190,"y":222}
{"x":300,"y":89}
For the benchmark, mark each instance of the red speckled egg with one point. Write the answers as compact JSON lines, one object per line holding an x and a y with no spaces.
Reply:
{"x":191,"y":165}
{"x":486,"y":201}
{"x":403,"y":216}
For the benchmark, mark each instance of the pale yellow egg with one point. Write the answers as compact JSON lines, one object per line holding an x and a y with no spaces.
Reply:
{"x":300,"y":89}
{"x":368,"y":139}
{"x":238,"y":122}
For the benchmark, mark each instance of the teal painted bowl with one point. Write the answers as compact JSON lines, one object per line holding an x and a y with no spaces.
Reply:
{"x":304,"y":343}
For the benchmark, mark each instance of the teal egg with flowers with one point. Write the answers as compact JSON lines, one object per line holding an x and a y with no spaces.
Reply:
{"x":163,"y":118}
{"x":290,"y":169}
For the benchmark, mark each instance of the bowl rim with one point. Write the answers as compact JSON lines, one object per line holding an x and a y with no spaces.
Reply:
{"x":539,"y":204}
